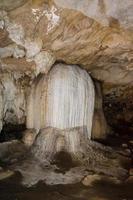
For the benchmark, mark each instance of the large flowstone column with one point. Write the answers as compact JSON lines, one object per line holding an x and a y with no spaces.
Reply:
{"x":62,"y":99}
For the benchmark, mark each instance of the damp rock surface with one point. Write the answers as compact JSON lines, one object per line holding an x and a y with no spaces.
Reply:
{"x":101,"y":190}
{"x":40,"y":162}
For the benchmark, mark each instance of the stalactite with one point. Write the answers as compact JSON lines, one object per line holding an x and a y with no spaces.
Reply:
{"x":63,"y":99}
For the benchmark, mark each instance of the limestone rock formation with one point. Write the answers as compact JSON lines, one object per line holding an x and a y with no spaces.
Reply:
{"x":51,"y":141}
{"x":29,"y":136}
{"x":97,"y":35}
{"x":23,"y":98}
{"x":62,"y":99}
{"x":100,"y":128}
{"x":12,"y":100}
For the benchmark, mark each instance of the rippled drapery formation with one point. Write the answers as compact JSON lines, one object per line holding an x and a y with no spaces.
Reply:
{"x":63,"y":99}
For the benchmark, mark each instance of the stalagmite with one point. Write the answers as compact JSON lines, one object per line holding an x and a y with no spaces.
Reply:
{"x":62,"y":99}
{"x":73,"y":140}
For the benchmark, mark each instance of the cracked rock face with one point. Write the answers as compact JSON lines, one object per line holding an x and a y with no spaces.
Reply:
{"x":97,"y":35}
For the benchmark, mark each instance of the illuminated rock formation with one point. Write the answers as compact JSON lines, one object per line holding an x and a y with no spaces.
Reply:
{"x":63,"y":99}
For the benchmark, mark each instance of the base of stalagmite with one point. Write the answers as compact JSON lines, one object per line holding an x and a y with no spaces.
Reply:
{"x":51,"y":141}
{"x":85,"y":157}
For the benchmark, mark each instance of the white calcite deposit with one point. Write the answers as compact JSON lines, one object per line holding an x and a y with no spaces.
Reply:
{"x":63,"y":99}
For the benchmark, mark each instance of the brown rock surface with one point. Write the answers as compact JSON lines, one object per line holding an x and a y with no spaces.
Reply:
{"x":77,"y":34}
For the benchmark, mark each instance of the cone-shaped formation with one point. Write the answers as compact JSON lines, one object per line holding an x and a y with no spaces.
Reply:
{"x":63,"y":99}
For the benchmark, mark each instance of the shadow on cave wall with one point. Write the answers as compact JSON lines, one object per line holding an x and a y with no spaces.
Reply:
{"x":12,"y":132}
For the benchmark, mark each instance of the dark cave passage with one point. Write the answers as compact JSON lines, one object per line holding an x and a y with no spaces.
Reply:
{"x":12,"y":132}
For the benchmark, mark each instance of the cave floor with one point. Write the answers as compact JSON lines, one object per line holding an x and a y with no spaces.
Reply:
{"x":11,"y":189}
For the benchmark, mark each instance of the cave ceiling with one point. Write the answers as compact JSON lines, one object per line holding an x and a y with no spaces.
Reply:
{"x":97,"y":35}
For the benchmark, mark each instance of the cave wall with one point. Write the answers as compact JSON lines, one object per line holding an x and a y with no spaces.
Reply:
{"x":100,"y":128}
{"x":118,"y":107}
{"x":12,"y":99}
